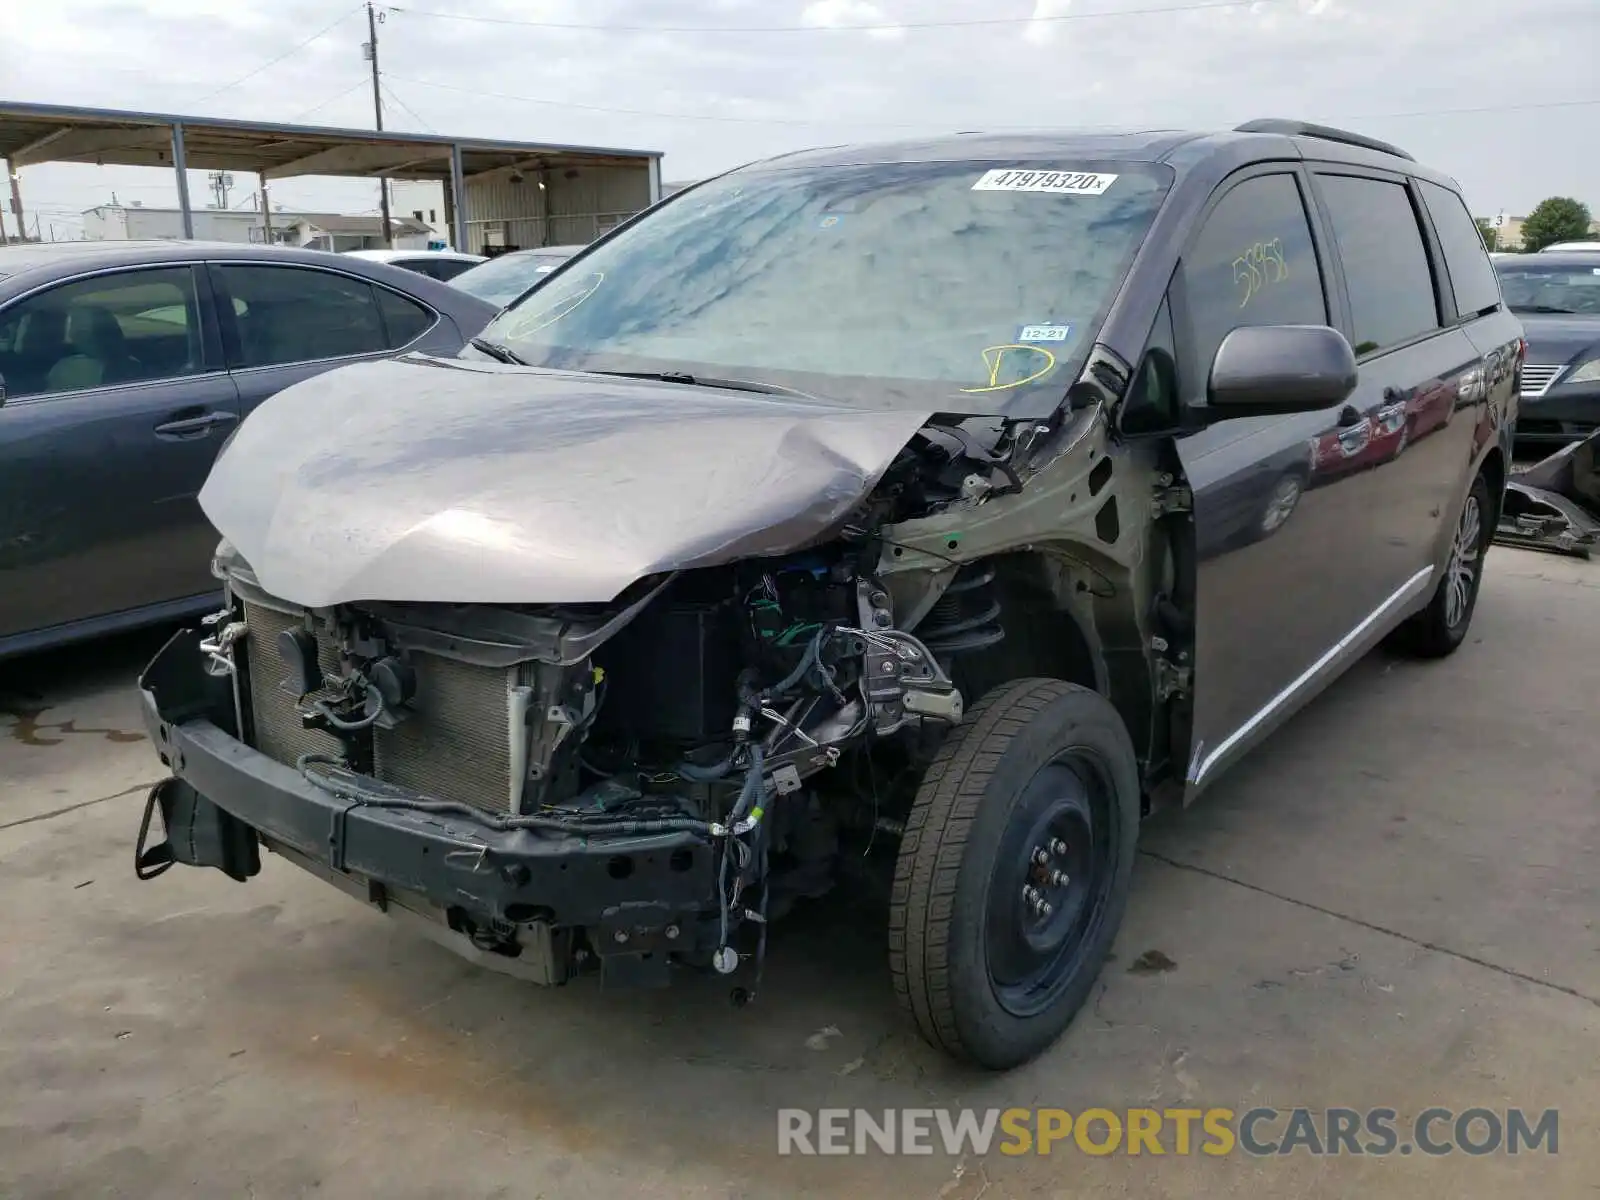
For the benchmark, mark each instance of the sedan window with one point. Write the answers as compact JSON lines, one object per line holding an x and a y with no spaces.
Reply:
{"x":293,"y":314}
{"x":130,"y":327}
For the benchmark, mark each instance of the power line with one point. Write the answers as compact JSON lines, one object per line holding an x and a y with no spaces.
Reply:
{"x":360,"y":83}
{"x":389,"y":92}
{"x":639,"y":112}
{"x":968,"y":23}
{"x":925,"y":125}
{"x":295,"y":49}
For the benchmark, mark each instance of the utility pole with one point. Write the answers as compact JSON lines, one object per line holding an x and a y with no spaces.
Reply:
{"x":377,"y":112}
{"x":16,"y":201}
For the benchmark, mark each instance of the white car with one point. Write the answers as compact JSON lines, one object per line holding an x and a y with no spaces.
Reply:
{"x":437,"y":264}
{"x":1572,"y":248}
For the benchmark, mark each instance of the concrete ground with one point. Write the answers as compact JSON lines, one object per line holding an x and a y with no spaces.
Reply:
{"x":1393,"y":903}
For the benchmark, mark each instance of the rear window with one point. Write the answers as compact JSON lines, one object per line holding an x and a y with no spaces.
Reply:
{"x":1471,"y":273}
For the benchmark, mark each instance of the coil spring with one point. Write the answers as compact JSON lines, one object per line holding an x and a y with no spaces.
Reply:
{"x":967,"y":616}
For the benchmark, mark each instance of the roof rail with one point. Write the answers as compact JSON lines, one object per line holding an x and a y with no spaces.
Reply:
{"x":1326,"y":132}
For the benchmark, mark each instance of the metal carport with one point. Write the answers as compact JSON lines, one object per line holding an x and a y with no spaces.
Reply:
{"x":39,"y":133}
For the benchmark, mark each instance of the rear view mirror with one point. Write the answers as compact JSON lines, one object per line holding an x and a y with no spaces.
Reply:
{"x":1262,"y":370}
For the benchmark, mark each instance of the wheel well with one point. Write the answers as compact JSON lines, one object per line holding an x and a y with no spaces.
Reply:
{"x":1042,"y":635}
{"x":1494,"y":473}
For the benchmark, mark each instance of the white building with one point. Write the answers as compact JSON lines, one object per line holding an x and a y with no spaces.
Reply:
{"x":139,"y":222}
{"x":329,"y":231}
{"x":320,"y":231}
{"x":421,"y":200}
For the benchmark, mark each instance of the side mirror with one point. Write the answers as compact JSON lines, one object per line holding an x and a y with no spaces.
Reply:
{"x":1266,"y":370}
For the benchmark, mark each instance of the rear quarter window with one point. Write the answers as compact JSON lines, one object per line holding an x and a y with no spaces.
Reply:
{"x":1471,"y":273}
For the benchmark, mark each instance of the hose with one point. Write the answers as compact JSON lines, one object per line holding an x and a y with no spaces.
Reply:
{"x":374,"y":701}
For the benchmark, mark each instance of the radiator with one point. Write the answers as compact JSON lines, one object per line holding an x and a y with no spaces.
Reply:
{"x":454,"y":743}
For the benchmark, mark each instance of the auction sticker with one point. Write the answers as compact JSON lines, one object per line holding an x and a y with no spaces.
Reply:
{"x":1043,"y":333}
{"x":1063,"y":183}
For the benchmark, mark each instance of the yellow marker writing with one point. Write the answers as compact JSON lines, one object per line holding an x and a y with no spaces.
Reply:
{"x":994,"y":357}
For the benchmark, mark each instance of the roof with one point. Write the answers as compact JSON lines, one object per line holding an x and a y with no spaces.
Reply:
{"x":410,"y":255}
{"x":36,"y":133}
{"x":1287,"y":139}
{"x":368,"y":226}
{"x":45,"y":261}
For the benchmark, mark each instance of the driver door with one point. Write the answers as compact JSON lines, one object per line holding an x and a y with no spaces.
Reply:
{"x":1283,"y":505}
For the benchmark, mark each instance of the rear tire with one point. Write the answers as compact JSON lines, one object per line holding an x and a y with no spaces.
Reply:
{"x":1439,"y":629}
{"x":994,"y":946}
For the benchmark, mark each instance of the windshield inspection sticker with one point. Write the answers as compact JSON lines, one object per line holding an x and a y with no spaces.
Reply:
{"x":1043,"y":333}
{"x":1063,"y":183}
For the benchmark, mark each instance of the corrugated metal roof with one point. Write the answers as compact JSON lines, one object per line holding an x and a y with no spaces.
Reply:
{"x":36,"y":133}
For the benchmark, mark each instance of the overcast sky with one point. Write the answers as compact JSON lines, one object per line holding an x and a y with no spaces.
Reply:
{"x":1392,"y":68}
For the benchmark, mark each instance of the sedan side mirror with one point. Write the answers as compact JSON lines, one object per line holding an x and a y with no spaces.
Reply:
{"x":1266,"y":370}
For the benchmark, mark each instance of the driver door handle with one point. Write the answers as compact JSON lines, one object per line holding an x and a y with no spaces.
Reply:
{"x":187,"y":427}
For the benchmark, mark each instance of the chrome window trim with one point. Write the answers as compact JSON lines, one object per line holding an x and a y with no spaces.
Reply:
{"x":337,"y":358}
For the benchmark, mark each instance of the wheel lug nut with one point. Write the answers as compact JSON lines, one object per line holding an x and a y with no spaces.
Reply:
{"x":1058,"y":878}
{"x":1031,"y":894}
{"x":1040,"y":856}
{"x":1043,"y":908}
{"x":1057,"y":846}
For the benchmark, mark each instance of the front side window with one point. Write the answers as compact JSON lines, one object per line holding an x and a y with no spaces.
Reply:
{"x":131,"y":327}
{"x":1253,"y":263}
{"x":1385,"y":262}
{"x":1471,"y":274}
{"x":957,"y":286}
{"x":294,"y":314}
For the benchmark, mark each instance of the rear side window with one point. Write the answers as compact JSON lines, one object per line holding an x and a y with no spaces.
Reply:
{"x":106,"y":331}
{"x":1253,"y":263}
{"x":1471,"y":273}
{"x":404,"y":319}
{"x":1385,"y":261}
{"x":293,"y":314}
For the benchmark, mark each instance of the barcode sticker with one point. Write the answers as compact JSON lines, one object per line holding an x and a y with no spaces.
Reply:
{"x":1062,"y":183}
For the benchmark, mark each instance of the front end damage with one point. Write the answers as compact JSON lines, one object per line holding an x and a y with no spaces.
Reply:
{"x":645,"y":781}
{"x":1554,"y":504}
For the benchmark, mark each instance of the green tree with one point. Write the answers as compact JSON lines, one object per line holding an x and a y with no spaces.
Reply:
{"x":1489,"y":234}
{"x":1558,"y":219}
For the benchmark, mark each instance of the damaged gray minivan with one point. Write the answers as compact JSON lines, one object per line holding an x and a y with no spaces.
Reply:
{"x":942,"y":508}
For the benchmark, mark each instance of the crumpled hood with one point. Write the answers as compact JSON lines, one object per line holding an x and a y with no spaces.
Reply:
{"x":425,"y":479}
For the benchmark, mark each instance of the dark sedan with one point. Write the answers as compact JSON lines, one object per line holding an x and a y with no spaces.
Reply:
{"x":1557,"y":296}
{"x":123,"y":368}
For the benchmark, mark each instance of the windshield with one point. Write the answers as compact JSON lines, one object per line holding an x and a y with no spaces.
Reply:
{"x":1532,"y":286}
{"x":501,"y":280}
{"x":959,"y":287}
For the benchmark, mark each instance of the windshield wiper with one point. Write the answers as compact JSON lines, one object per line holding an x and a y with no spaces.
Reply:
{"x":1541,"y":308}
{"x":712,"y":381}
{"x":496,"y":351}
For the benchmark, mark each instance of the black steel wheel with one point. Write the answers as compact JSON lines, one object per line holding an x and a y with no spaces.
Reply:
{"x":1014,"y":871}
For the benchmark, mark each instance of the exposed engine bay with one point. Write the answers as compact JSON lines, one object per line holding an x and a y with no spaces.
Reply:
{"x":748,"y":720}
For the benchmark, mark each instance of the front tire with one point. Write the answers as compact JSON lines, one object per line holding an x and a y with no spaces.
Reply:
{"x":1439,"y":629}
{"x":1014,"y":871}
